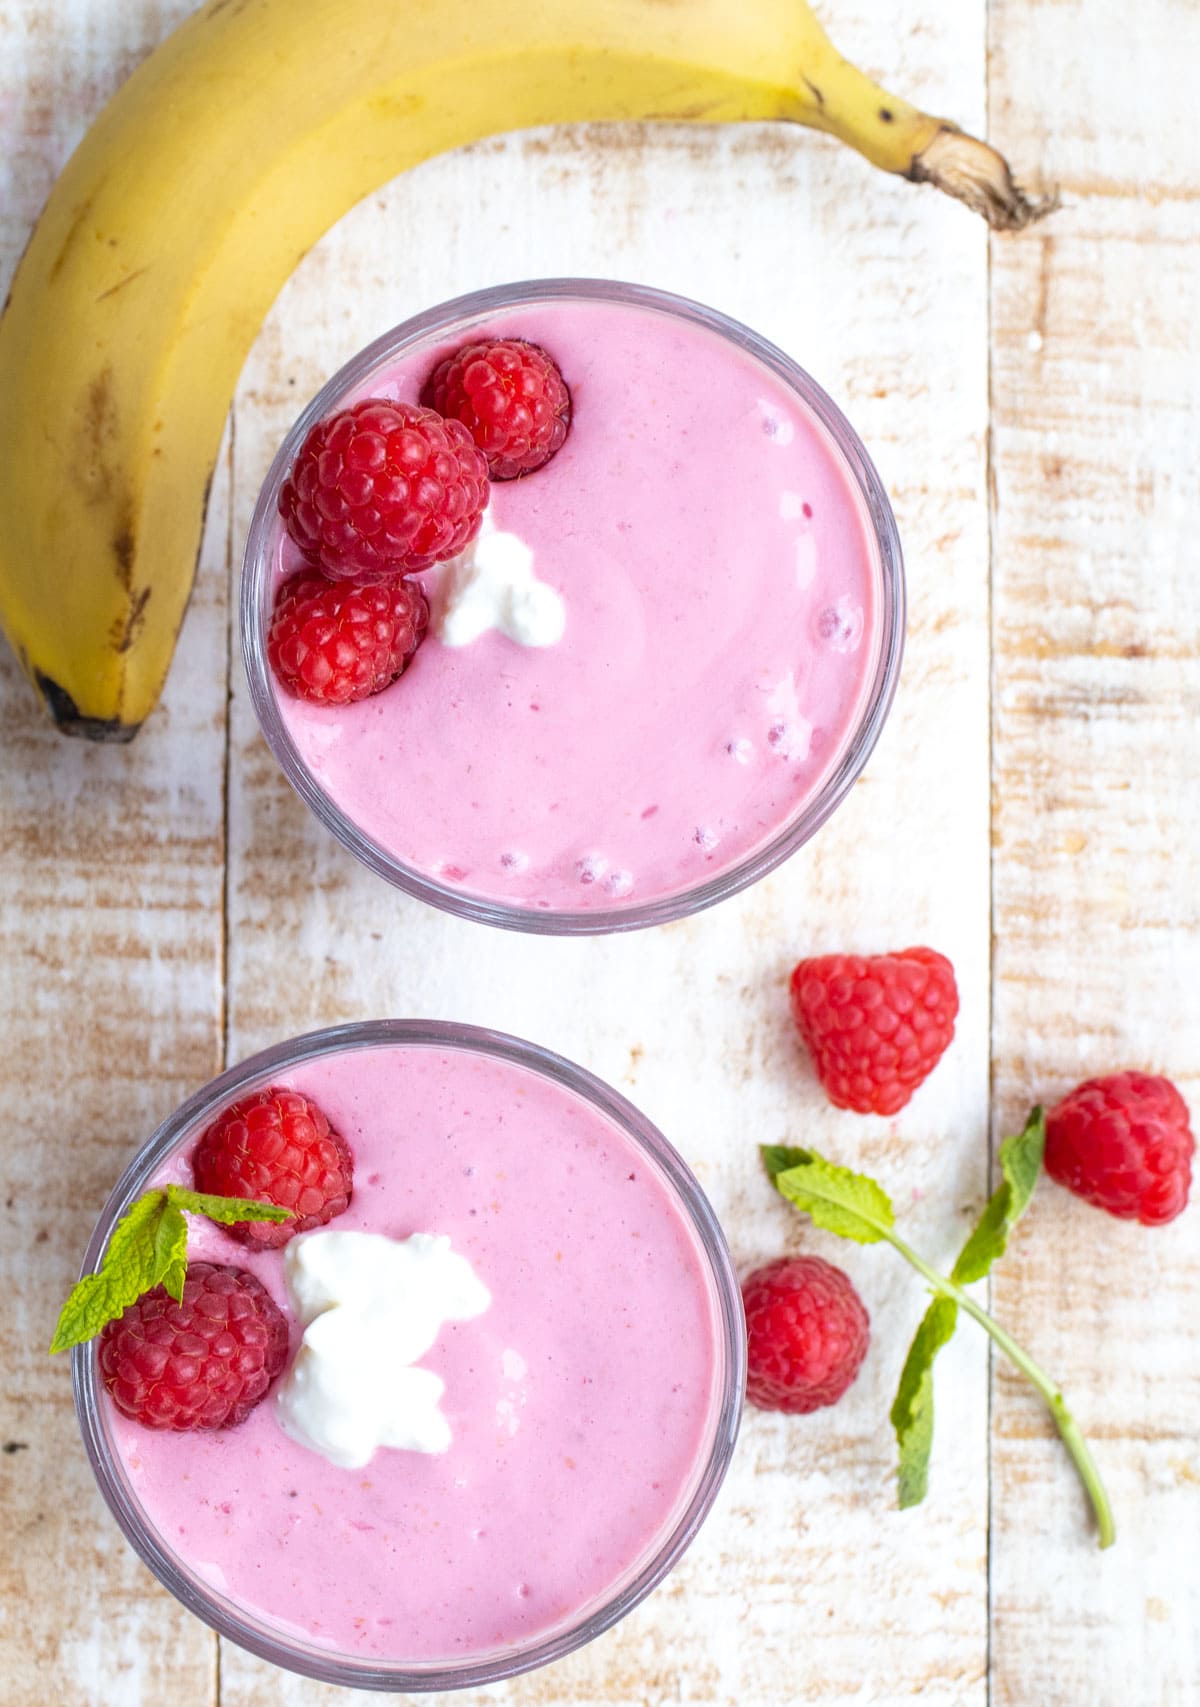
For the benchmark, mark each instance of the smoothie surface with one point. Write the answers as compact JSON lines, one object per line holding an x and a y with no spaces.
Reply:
{"x":721,"y":584}
{"x":581,"y":1403}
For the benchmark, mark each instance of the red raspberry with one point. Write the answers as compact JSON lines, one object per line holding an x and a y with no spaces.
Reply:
{"x":511,"y":397}
{"x":276,"y":1147}
{"x":876,"y":1025}
{"x":384,"y":489}
{"x":808,"y":1332}
{"x":338,"y":641}
{"x":1123,"y":1143}
{"x":203,"y":1363}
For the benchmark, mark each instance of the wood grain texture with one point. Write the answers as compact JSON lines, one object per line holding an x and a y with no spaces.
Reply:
{"x":155,"y":927}
{"x":1096,"y":401}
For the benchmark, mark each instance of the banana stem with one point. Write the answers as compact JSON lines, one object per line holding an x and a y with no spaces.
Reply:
{"x":975,"y":173}
{"x":836,"y":96}
{"x":1068,"y":1428}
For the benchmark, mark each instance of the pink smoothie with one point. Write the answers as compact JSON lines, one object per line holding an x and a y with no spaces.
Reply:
{"x":581,"y":1403}
{"x":722,"y":587}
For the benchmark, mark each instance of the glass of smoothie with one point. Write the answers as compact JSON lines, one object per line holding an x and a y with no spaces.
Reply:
{"x":430,"y":1512}
{"x":658,"y":666}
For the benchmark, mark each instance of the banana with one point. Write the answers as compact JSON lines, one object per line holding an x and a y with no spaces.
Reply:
{"x":219,"y":163}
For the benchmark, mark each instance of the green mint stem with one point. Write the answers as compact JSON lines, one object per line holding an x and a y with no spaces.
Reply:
{"x":1068,"y":1428}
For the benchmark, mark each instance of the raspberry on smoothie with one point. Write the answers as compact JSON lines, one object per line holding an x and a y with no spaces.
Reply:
{"x":276,"y":1147}
{"x":337,"y":641}
{"x":511,"y":397}
{"x":384,"y":489}
{"x":203,"y":1362}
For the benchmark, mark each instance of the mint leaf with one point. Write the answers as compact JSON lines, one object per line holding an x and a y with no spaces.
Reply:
{"x":776,"y":1158}
{"x":126,"y":1271}
{"x":170,"y":1251}
{"x":851,"y":1205}
{"x":912,"y":1410}
{"x":1020,"y":1164}
{"x":225,"y":1209}
{"x":127,"y":1239}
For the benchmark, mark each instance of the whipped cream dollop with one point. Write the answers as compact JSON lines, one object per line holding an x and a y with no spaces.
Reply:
{"x":371,"y":1306}
{"x":492,"y":585}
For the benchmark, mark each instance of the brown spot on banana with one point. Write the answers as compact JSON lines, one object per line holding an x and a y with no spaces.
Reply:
{"x":127,"y":632}
{"x":123,"y":551}
{"x":121,"y":283}
{"x":68,"y":241}
{"x":98,"y":433}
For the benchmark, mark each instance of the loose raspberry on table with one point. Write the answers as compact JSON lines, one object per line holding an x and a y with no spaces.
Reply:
{"x":383,"y":489}
{"x":202,"y":1363}
{"x":511,"y":397}
{"x":808,"y":1332}
{"x":1123,"y":1143}
{"x":276,"y":1147}
{"x":334,"y":642}
{"x":876,"y":1025}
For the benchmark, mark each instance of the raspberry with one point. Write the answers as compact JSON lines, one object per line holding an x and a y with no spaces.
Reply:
{"x":384,"y":489}
{"x":1123,"y":1143}
{"x":808,"y":1332}
{"x":276,"y":1147}
{"x":338,"y":641}
{"x":202,"y":1363}
{"x":876,"y":1025}
{"x":511,"y":397}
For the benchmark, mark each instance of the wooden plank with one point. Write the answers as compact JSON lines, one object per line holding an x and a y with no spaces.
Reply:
{"x":1096,"y":395}
{"x":111,"y":867}
{"x":806,"y":1584}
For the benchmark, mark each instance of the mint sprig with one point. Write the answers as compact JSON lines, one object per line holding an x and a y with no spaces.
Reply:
{"x":148,"y":1248}
{"x":855,"y":1207}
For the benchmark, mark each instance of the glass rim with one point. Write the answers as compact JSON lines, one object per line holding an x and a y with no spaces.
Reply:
{"x":254,"y":604}
{"x":308,"y":1659}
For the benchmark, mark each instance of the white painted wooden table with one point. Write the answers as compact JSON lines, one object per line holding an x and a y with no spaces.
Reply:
{"x":1034,"y":407}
